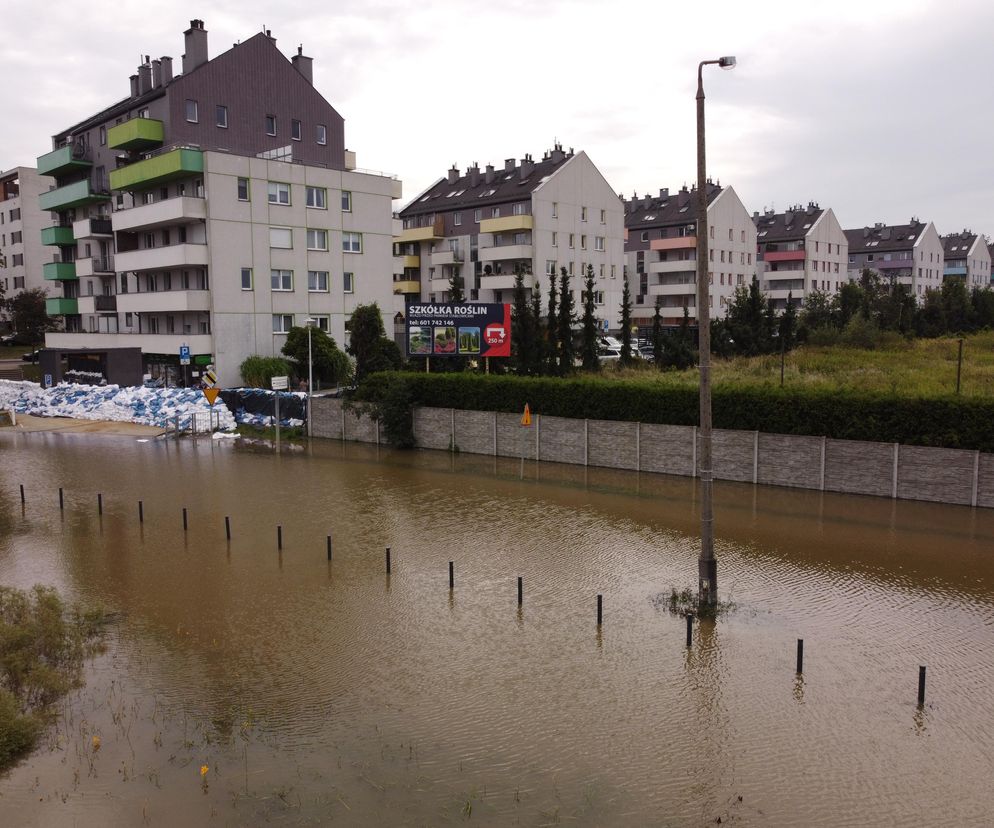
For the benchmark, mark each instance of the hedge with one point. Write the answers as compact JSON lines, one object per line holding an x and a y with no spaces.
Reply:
{"x":949,"y":422}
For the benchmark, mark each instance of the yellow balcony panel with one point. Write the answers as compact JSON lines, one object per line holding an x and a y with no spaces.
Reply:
{"x":410,"y":261}
{"x":136,"y":134}
{"x":418,"y":234}
{"x":502,"y":225}
{"x":407,"y":286}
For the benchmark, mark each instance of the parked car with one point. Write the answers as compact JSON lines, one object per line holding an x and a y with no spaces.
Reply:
{"x":32,"y":356}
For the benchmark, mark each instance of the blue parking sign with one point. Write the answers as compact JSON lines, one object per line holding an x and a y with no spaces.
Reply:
{"x":184,"y":354}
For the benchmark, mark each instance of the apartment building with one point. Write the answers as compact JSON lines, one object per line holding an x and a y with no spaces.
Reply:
{"x":214,"y":209}
{"x":967,"y":257}
{"x":537,"y":215}
{"x":800,"y":251}
{"x":909,"y":254}
{"x":22,"y":253}
{"x":661,"y":251}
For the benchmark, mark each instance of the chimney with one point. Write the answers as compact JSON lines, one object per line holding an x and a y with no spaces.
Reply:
{"x":664,"y":193}
{"x":474,"y":174}
{"x":508,"y":165}
{"x":557,"y":154}
{"x":682,"y":197}
{"x":489,"y":174}
{"x":134,"y":86}
{"x":144,"y":77}
{"x":156,"y":74}
{"x":788,"y":218}
{"x":304,"y":65}
{"x":646,"y":202}
{"x":196,"y":46}
{"x":167,"y":70}
{"x":755,"y":214}
{"x":866,"y":232}
{"x":453,"y":174}
{"x":527,"y":165}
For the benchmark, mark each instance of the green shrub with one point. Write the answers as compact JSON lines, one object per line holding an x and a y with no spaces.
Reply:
{"x":258,"y":371}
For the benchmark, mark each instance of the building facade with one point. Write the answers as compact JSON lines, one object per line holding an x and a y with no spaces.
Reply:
{"x":213,"y":210}
{"x":967,"y":257}
{"x":537,"y":216}
{"x":22,"y":253}
{"x":661,"y":252}
{"x":800,"y":251}
{"x":908,"y":254}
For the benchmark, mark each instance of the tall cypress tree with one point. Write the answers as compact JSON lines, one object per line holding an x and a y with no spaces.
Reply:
{"x":552,"y":327}
{"x":457,"y":292}
{"x":588,"y":348}
{"x":626,"y":327}
{"x":566,"y":318}
{"x":657,"y":333}
{"x":521,"y":328}
{"x":537,"y":365}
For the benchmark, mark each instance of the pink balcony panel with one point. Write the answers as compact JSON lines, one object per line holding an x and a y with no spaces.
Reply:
{"x":679,"y":243}
{"x":784,"y":256}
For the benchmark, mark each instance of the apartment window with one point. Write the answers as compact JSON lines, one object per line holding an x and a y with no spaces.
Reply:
{"x":495,"y":212}
{"x":456,"y":219}
{"x":191,"y":111}
{"x":17,"y":259}
{"x":555,"y":209}
{"x":323,"y":322}
{"x":730,"y":234}
{"x":550,"y":267}
{"x":598,"y":242}
{"x":598,"y":297}
{"x":143,"y":112}
{"x":316,"y":197}
{"x":742,"y":258}
{"x":603,"y":216}
{"x":16,"y":237}
{"x":282,"y":322}
{"x":477,"y":215}
{"x":103,"y":136}
{"x":279,"y":193}
{"x":243,"y":189}
{"x":281,"y":238}
{"x":722,"y":256}
{"x":317,"y":281}
{"x":613,"y":271}
{"x":346,"y":201}
{"x":281,"y":279}
{"x":351,"y":242}
{"x":296,"y":130}
{"x":583,"y":214}
{"x":15,"y":215}
{"x":221,"y":116}
{"x":555,"y":239}
{"x":571,"y":240}
{"x":317,"y":239}
{"x":645,"y":235}
{"x":711,"y":230}
{"x":348,"y":282}
{"x":583,"y":242}
{"x":321,"y":133}
{"x":518,"y":210}
{"x":270,"y":125}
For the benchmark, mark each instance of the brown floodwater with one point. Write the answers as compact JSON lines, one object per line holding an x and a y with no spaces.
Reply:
{"x":320,"y":693}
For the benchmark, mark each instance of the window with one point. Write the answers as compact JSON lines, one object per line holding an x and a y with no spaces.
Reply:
{"x":18,"y":259}
{"x":243,"y":189}
{"x":495,"y":212}
{"x":583,"y":242}
{"x":346,"y":201}
{"x":571,"y":241}
{"x":191,"y":111}
{"x":583,"y":214}
{"x":555,"y":239}
{"x":316,"y":197}
{"x":279,"y":193}
{"x":518,"y":210}
{"x":555,"y":209}
{"x":270,"y":125}
{"x":282,"y":322}
{"x":317,"y":281}
{"x":16,"y":237}
{"x":456,"y":219}
{"x":296,"y":130}
{"x":103,"y":136}
{"x":323,"y":322}
{"x":598,"y":297}
{"x":281,"y":237}
{"x":645,"y":235}
{"x":730,"y":234}
{"x":613,"y":271}
{"x":348,"y":282}
{"x":603,"y":216}
{"x":550,"y":267}
{"x":221,"y":116}
{"x":351,"y":242}
{"x":711,"y":230}
{"x":477,"y":215}
{"x":281,"y":279}
{"x":15,"y":214}
{"x":598,"y":242}
{"x":317,"y":239}
{"x":321,"y":134}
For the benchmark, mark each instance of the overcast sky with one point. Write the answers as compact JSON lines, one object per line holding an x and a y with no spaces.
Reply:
{"x":880,"y":109}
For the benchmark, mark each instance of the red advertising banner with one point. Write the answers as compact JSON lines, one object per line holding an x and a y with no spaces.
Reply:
{"x":470,"y":329}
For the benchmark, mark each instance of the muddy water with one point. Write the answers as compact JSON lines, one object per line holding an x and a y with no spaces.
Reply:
{"x":333,"y":694}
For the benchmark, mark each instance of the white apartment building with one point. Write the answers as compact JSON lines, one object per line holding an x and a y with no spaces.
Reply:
{"x":661,"y":252}
{"x":22,"y":251}
{"x":910,"y":254}
{"x":967,"y":257}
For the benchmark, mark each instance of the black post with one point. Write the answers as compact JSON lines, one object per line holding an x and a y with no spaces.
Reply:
{"x":184,"y":519}
{"x":520,"y":591}
{"x":690,"y":628}
{"x":959,"y":366}
{"x":388,"y":560}
{"x":600,"y":610}
{"x":452,"y":576}
{"x":329,"y":547}
{"x":61,"y":502}
{"x":22,"y":494}
{"x":100,"y":504}
{"x":227,"y":527}
{"x":279,"y":537}
{"x":141,"y":512}
{"x":921,"y":685}
{"x":781,"y":360}
{"x":800,"y":655}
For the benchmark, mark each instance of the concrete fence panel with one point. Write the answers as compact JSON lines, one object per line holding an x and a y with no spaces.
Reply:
{"x":562,"y":440}
{"x":667,"y":449}
{"x":433,"y":428}
{"x":985,"y":481}
{"x":611,"y":444}
{"x":732,"y":454}
{"x":790,"y":460}
{"x":944,"y":475}
{"x":859,"y":468}
{"x":475,"y":432}
{"x":514,"y":439}
{"x":326,"y":413}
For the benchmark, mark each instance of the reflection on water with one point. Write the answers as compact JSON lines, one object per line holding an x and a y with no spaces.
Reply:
{"x":317,"y":691}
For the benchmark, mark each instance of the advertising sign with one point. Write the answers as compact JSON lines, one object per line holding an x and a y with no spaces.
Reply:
{"x":472,"y":329}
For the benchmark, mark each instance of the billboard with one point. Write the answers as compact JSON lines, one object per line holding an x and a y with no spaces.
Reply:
{"x":472,"y":329}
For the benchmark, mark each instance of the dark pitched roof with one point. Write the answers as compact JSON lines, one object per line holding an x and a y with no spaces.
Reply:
{"x":114,"y":110}
{"x":513,"y":182}
{"x":885,"y":237}
{"x":957,"y":245}
{"x":666,"y":210}
{"x":789,"y":225}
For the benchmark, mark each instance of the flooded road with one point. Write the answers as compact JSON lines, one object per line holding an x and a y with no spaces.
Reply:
{"x":320,"y":693}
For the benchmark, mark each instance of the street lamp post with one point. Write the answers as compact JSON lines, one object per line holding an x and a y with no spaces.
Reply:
{"x":707,"y":566}
{"x":310,"y":323}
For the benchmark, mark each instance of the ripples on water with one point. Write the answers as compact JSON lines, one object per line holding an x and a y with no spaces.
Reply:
{"x":319,"y":692}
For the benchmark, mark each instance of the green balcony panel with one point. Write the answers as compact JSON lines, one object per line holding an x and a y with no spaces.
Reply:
{"x":61,"y":307}
{"x":176,"y":163}
{"x":59,"y":270}
{"x":57,"y":235}
{"x":60,"y":162}
{"x":79,"y":194}
{"x":136,"y":134}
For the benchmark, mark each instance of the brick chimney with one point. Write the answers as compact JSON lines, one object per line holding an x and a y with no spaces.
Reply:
{"x":156,"y":74}
{"x":474,"y":174}
{"x":527,"y":165}
{"x":453,"y":174}
{"x":195,"y":44}
{"x":489,"y":174}
{"x":167,"y":69}
{"x":304,"y":65}
{"x":134,"y":86}
{"x":144,"y":77}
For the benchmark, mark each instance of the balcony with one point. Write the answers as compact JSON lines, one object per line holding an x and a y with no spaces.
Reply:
{"x":407,"y":286}
{"x":97,"y":304}
{"x":95,"y":266}
{"x":409,"y":262}
{"x":57,"y":235}
{"x":92,"y":228}
{"x":498,"y":281}
{"x":677,"y":243}
{"x":63,"y":160}
{"x":180,"y":210}
{"x":952,"y":270}
{"x":689,"y":289}
{"x":433,"y":232}
{"x":684,"y":266}
{"x":893,"y":264}
{"x":505,"y":252}
{"x":447,"y":257}
{"x":149,"y":343}
{"x":502,"y":225}
{"x":61,"y":307}
{"x":136,"y":134}
{"x":162,"y":258}
{"x":59,"y":270}
{"x":80,"y":194}
{"x":176,"y":163}
{"x":784,"y":256}
{"x":164,"y":301}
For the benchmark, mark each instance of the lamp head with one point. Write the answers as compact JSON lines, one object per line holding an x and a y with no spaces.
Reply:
{"x":727,"y":62}
{"x":311,"y":322}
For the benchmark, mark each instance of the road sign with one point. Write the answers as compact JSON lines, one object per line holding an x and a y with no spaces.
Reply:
{"x":526,"y":418}
{"x":48,"y":380}
{"x":281,"y":383}
{"x":210,"y":377}
{"x":211,"y":394}
{"x":184,"y":354}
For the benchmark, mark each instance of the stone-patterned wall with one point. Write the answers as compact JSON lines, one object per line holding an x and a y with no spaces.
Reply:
{"x":733,"y":455}
{"x":667,"y":449}
{"x":943,"y":475}
{"x":790,"y":460}
{"x":859,"y":468}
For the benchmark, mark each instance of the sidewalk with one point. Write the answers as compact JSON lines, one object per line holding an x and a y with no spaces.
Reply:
{"x":27,"y":422}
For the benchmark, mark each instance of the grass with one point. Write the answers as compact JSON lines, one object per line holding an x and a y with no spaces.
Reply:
{"x":908,"y":368}
{"x":296,"y":434}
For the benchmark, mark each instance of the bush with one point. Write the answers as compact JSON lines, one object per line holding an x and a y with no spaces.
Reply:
{"x":258,"y":371}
